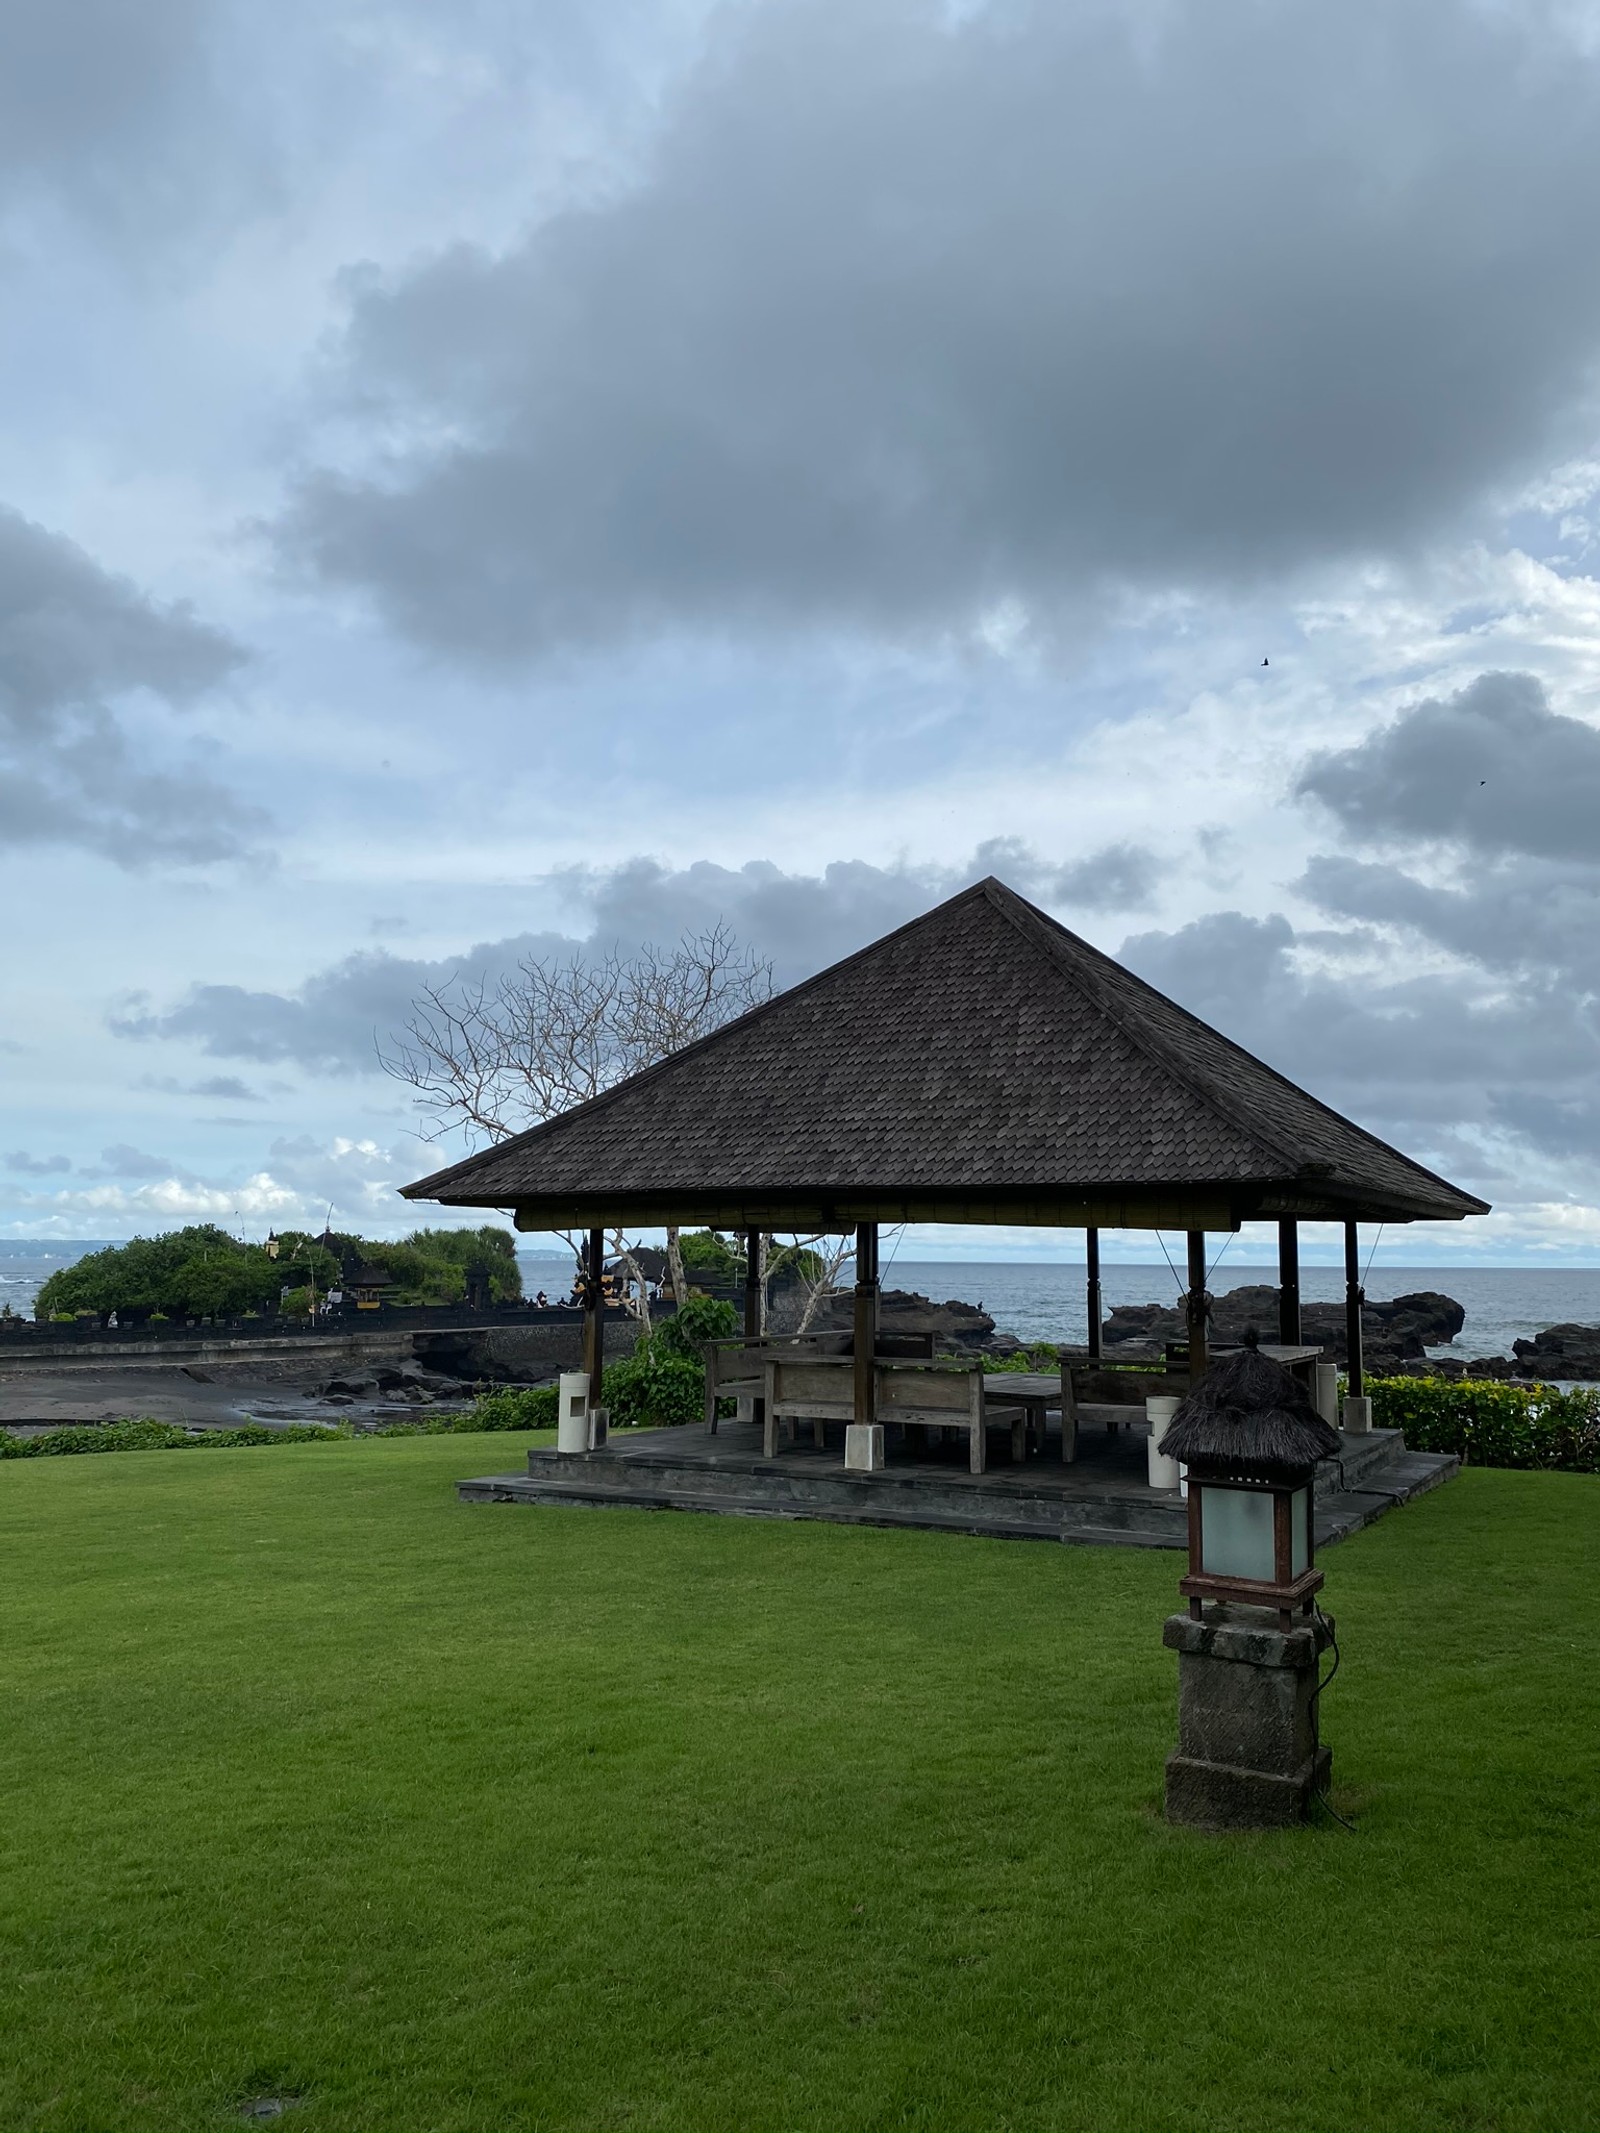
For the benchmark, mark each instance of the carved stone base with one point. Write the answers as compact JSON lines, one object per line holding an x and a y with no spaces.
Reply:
{"x":1248,"y":1755}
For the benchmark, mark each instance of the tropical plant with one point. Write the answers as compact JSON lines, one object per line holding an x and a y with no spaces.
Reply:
{"x":698,"y":1319}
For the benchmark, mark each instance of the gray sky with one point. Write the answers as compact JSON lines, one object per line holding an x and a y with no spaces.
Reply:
{"x":489,"y":480}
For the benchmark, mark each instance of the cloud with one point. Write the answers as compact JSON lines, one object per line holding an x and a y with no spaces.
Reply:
{"x":336,"y":1021}
{"x":1491,"y":768}
{"x":123,"y":1161}
{"x":920,"y":317}
{"x":21,"y":1164}
{"x":292,"y":1188}
{"x":1532,"y":919}
{"x":1488,"y":1081}
{"x":226,"y":1088}
{"x":74,"y":642}
{"x":124,"y":120}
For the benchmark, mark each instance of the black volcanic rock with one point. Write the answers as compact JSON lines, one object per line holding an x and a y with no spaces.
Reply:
{"x":1393,"y":1332}
{"x":1564,"y":1351}
{"x":955,"y":1326}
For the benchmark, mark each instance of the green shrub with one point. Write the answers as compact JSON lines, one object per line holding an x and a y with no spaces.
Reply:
{"x":1040,"y":1355}
{"x":518,"y":1407}
{"x":655,"y":1387}
{"x":1486,"y":1422}
{"x":700,"y":1319}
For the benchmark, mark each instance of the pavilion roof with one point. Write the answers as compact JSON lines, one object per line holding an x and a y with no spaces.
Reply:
{"x":981,"y":1064}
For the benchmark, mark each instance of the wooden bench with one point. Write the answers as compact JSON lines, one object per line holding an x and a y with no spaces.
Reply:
{"x":916,"y":1395}
{"x":735,"y":1367}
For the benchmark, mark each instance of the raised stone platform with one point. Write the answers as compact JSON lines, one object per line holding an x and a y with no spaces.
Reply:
{"x":1103,"y":1498}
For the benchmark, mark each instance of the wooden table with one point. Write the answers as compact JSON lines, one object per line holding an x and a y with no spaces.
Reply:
{"x":1035,"y":1391}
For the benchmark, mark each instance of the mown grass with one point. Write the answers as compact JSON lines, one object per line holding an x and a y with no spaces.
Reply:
{"x":321,"y":1785}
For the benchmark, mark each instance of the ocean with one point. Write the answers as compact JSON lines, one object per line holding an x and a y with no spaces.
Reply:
{"x":1037,"y":1300}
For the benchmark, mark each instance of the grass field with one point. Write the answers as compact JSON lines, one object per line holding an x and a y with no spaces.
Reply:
{"x":321,"y":1785}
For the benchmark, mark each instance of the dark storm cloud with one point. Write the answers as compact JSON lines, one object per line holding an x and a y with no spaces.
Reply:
{"x":1516,"y":915}
{"x":1429,"y":1061}
{"x":336,"y":1020}
{"x":121,"y":114}
{"x":909,"y":317}
{"x":1492,"y":768}
{"x":74,"y":640}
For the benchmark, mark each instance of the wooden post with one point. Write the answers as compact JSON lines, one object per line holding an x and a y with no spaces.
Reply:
{"x":1353,"y":1300}
{"x":1289,"y":1284}
{"x":594,"y":1337}
{"x":1091,"y":1248}
{"x":1197,"y":1304}
{"x":752,"y":1285}
{"x":866,"y":1321}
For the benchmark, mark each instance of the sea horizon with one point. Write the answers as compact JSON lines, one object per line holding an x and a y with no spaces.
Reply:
{"x":1038,"y":1299}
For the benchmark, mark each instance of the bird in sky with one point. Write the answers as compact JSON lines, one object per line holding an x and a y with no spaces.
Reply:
{"x":1266,"y":662}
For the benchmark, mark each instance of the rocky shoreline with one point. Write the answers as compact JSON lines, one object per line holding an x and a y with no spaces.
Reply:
{"x":1395,"y":1335}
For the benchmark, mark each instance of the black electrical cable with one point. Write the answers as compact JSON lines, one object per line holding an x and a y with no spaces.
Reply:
{"x":1322,"y":1798}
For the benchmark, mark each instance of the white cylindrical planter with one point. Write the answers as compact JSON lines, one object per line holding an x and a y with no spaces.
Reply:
{"x":1325,"y":1397}
{"x":1357,"y":1414}
{"x":572,"y":1412}
{"x":1159,"y":1409}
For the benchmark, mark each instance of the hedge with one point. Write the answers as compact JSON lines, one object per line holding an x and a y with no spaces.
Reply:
{"x":148,"y":1435}
{"x":1486,"y":1422}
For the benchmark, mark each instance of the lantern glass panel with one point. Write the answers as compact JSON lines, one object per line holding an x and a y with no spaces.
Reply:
{"x":1236,"y":1532}
{"x":1299,"y":1532}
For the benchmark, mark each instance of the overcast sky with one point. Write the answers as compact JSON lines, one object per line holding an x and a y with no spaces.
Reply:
{"x":483,"y":479}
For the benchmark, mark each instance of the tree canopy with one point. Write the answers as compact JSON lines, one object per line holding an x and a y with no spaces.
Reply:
{"x":202,"y":1272}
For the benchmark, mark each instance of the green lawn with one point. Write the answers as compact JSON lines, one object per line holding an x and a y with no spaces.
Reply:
{"x":319,"y":1783}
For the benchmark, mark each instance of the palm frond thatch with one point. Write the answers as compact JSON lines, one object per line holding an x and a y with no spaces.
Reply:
{"x":1247,"y":1411}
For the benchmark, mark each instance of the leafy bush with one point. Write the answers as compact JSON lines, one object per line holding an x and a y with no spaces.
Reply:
{"x":1041,"y":1355}
{"x":518,"y":1407}
{"x":655,"y":1386}
{"x":700,"y":1319}
{"x":1485,"y":1422}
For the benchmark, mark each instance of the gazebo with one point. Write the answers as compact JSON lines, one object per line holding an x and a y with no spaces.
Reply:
{"x":981,"y":1064}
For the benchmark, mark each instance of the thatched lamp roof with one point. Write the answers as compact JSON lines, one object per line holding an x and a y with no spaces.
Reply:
{"x":1248,"y":1412}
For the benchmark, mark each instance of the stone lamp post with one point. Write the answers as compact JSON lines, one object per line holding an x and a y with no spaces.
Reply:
{"x":1248,"y":1755}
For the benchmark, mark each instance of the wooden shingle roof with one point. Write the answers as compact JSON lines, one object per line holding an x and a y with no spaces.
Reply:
{"x":981,"y":1064}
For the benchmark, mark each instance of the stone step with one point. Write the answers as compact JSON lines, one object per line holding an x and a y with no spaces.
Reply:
{"x":669,"y":1470}
{"x":921,"y":1517}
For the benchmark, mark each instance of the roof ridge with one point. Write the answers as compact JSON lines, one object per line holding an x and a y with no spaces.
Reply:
{"x":789,"y":993}
{"x":1017,"y":909}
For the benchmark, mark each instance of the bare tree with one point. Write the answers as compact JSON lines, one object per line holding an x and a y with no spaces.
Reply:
{"x":830,"y":1250}
{"x":490,"y":1057}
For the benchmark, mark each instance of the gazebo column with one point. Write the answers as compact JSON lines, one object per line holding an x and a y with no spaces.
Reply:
{"x":1196,"y":1304}
{"x":1357,"y":1407}
{"x":594,"y":1339}
{"x":751,"y":1406}
{"x":864,"y":1437}
{"x":1091,"y":1254}
{"x":1289,"y":1284}
{"x":752,"y":1285}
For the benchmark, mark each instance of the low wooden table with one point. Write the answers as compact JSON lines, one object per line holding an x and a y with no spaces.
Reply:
{"x":1034,"y":1391}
